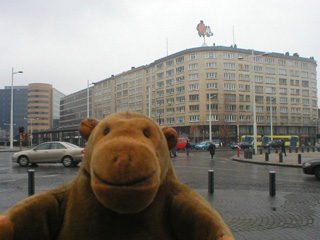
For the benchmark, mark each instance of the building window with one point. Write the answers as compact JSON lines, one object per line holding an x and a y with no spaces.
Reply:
{"x":194,"y":118}
{"x":193,"y":77}
{"x":212,"y":75}
{"x":227,"y":55}
{"x":180,"y":89}
{"x":229,"y":66}
{"x":229,"y":76}
{"x":179,"y":60}
{"x":180,"y":80}
{"x":194,"y":108}
{"x":230,"y":86}
{"x":193,"y":66}
{"x":282,"y":72}
{"x":180,"y":70}
{"x":169,"y":73}
{"x":211,"y":65}
{"x":181,"y":119}
{"x":180,"y":99}
{"x":194,"y":97}
{"x":193,"y":87}
{"x":211,"y":55}
{"x":181,"y":109}
{"x":193,"y":56}
{"x":212,"y":86}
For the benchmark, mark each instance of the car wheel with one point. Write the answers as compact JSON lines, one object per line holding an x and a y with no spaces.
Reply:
{"x":23,"y":161}
{"x":67,"y":161}
{"x":317,"y":173}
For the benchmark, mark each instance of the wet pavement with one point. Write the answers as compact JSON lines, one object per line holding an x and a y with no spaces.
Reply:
{"x":241,"y":190}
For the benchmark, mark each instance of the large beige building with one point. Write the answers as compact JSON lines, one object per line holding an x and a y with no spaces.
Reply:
{"x":183,"y":83}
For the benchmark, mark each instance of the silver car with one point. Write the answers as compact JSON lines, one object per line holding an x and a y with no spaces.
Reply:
{"x":50,"y":152}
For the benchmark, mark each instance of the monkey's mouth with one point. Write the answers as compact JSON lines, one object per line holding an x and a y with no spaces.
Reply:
{"x":123,"y":184}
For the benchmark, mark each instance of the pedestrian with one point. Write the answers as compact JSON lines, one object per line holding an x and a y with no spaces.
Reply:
{"x":174,"y":152}
{"x":188,"y":148}
{"x":212,"y":149}
{"x":283,"y":147}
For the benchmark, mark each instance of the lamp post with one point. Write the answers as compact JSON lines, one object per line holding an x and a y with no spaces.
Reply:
{"x":210,"y":130}
{"x":254,"y":99}
{"x":88,"y":97}
{"x":271,"y":130}
{"x":11,"y":111}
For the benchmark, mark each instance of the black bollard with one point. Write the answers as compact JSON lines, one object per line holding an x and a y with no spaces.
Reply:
{"x":290,"y":150}
{"x":30,"y":182}
{"x":297,"y":149}
{"x":210,"y":181}
{"x":280,"y":158}
{"x":318,"y":149}
{"x":277,"y":150}
{"x":308,"y":149}
{"x":313,"y":149}
{"x":266,"y":157}
{"x":272,"y":183}
{"x":302,"y":150}
{"x":299,"y":158}
{"x":260,"y":150}
{"x":269,"y":150}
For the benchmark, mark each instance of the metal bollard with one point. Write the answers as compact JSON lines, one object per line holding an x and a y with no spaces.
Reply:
{"x":313,"y":149}
{"x":302,"y":150}
{"x":277,"y":150}
{"x":308,"y":149}
{"x":260,"y":150}
{"x":266,"y":157}
{"x":299,"y":158}
{"x":210,"y":181}
{"x":318,"y":149}
{"x":290,"y":150}
{"x":297,"y":149}
{"x":280,"y":158}
{"x":272,"y":183}
{"x":269,"y":150}
{"x":30,"y":182}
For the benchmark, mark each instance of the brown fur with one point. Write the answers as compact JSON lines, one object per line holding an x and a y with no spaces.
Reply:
{"x":126,"y":188}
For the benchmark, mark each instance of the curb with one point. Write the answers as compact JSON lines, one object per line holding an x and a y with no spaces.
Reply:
{"x":267,"y":163}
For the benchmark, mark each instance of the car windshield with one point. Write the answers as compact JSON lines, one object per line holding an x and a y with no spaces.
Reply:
{"x":72,"y":145}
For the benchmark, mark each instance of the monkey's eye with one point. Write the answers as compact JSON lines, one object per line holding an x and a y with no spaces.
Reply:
{"x":146,"y":133}
{"x":106,"y":131}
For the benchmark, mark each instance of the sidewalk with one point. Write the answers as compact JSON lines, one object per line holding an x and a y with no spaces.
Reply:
{"x":291,"y":160}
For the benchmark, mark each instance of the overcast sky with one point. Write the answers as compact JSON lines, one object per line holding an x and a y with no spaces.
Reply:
{"x":67,"y":42}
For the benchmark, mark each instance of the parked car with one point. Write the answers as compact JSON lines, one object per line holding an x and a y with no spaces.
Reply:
{"x":273,"y":144}
{"x":245,"y":145}
{"x":312,"y":167}
{"x":50,"y":152}
{"x":203,"y":145}
{"x":192,"y":145}
{"x":233,"y":145}
{"x":182,"y":142}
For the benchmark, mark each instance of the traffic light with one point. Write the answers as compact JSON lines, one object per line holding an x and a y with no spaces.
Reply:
{"x":21,"y":129}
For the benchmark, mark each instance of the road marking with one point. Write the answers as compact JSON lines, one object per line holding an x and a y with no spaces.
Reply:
{"x":54,"y":175}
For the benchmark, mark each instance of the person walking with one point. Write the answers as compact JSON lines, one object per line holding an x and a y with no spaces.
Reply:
{"x":283,"y":147}
{"x":212,"y":149}
{"x":188,"y":148}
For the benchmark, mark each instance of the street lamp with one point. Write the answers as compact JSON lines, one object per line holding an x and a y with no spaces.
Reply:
{"x":88,"y":96}
{"x":210,"y":131}
{"x":11,"y":111}
{"x":271,"y":130}
{"x":254,"y":99}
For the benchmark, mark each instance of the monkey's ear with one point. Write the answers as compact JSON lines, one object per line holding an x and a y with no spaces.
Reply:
{"x":171,"y":136}
{"x":86,"y":126}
